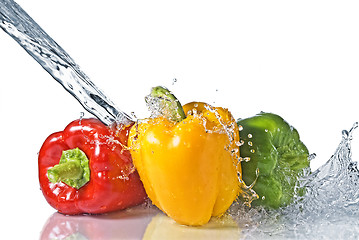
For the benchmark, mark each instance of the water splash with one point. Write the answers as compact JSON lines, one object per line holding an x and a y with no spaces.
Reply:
{"x":29,"y":35}
{"x":337,"y":180}
{"x":329,"y":209}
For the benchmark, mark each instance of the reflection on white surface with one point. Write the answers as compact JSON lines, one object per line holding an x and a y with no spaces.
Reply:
{"x":163,"y":227}
{"x":135,"y":223}
{"x":126,"y":224}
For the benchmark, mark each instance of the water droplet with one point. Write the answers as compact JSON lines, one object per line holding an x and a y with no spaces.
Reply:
{"x":355,"y":125}
{"x":240,"y":127}
{"x":133,"y":115}
{"x":250,"y":135}
{"x":345,"y":134}
{"x":240,"y":143}
{"x":246,"y":159}
{"x":312,"y":156}
{"x":253,"y":151}
{"x":82,"y":114}
{"x":250,"y":143}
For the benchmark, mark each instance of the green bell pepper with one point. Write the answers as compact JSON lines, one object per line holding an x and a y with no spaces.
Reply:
{"x":276,"y":157}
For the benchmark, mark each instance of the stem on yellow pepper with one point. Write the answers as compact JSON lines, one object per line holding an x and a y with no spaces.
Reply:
{"x":169,"y":106}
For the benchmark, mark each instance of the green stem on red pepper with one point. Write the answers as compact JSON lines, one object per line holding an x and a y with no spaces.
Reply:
{"x":73,"y":169}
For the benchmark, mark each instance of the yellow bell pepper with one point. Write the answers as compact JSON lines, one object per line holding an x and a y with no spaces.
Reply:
{"x":189,"y":164}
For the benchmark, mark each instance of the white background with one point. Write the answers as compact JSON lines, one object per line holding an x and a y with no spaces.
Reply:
{"x":298,"y":59}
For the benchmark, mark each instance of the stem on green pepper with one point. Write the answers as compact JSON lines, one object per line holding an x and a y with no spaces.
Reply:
{"x":169,"y":104}
{"x":73,"y":169}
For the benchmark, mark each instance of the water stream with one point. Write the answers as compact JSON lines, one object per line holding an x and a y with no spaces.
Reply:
{"x":26,"y":32}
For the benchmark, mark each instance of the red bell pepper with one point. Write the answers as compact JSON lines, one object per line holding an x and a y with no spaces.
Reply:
{"x":87,"y":169}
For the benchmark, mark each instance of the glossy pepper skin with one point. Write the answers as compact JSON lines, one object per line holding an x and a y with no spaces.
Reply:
{"x":187,"y":167}
{"x":113,"y":182}
{"x":275,"y":149}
